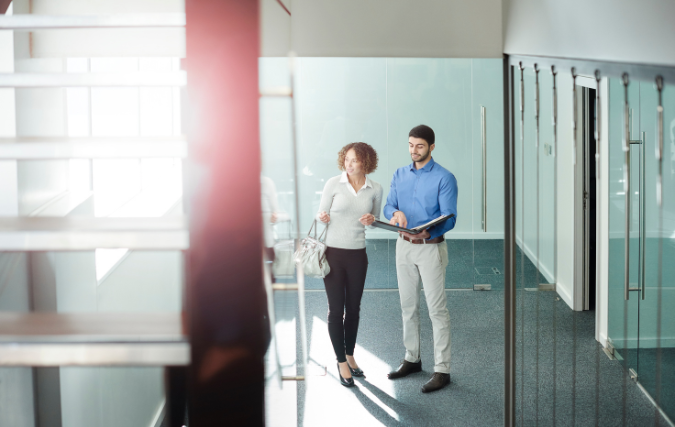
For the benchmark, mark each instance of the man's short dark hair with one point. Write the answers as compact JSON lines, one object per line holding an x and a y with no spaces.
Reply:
{"x":424,"y":132}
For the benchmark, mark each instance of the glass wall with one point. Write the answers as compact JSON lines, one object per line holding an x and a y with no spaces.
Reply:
{"x":378,"y":101}
{"x":562,"y":373}
{"x":642,"y":328}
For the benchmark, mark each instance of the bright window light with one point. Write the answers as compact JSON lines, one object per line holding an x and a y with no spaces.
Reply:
{"x":129,"y":187}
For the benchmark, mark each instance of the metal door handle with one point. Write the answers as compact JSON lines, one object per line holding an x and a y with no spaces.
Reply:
{"x":483,"y":129}
{"x":643,"y":236}
{"x":626,"y":186}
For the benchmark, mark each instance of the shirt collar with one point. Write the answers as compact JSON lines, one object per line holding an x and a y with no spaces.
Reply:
{"x":344,"y":178}
{"x":426,"y":168}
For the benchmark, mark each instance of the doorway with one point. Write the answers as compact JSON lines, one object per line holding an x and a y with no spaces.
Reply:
{"x":586,"y":200}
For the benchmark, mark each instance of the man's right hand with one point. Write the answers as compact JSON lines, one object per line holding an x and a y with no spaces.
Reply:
{"x":324,"y":217}
{"x":400,"y":219}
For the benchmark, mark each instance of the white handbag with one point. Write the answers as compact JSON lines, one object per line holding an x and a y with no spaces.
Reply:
{"x":312,"y":254}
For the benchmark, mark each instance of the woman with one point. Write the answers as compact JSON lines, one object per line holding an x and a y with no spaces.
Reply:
{"x":349,"y":203}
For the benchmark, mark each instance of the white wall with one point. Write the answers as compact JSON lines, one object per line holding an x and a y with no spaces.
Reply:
{"x":602,"y":197}
{"x":621,"y":30}
{"x":385,"y":28}
{"x":539,"y":244}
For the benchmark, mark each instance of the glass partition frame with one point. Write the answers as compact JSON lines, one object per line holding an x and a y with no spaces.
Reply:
{"x":512,"y":68}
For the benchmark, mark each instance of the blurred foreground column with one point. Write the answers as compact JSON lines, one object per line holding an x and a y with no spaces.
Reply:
{"x":225,"y":295}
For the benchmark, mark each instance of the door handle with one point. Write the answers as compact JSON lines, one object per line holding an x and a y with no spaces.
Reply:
{"x":643,"y":243}
{"x":483,"y":129}
{"x":626,"y":186}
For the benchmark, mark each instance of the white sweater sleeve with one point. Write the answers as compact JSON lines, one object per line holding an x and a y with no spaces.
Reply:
{"x":326,"y":199}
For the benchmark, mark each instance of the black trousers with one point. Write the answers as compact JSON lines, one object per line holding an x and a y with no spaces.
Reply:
{"x":344,"y":289}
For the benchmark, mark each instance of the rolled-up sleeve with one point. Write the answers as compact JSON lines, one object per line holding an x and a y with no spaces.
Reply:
{"x":447,"y":200}
{"x":392,"y":200}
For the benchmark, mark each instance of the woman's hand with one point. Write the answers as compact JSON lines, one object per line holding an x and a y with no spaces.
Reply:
{"x":367,"y":219}
{"x":324,"y":217}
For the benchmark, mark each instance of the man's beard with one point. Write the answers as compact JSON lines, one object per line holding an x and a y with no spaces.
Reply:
{"x":422,"y":158}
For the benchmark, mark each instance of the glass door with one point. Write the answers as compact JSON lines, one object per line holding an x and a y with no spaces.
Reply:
{"x":625,"y":207}
{"x":487,"y":113}
{"x":656,"y":356}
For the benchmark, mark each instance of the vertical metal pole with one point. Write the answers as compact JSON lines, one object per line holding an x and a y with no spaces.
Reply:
{"x":554,"y":110}
{"x":597,"y":269}
{"x":659,"y":202}
{"x":509,"y":251}
{"x":483,"y":128}
{"x":643,"y":223}
{"x":296,"y":174}
{"x":626,"y":185}
{"x":536,"y":224}
{"x":626,"y":188}
{"x":522,"y":236}
{"x":575,"y":115}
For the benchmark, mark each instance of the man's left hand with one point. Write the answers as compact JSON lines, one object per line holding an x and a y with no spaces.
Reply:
{"x":423,"y":235}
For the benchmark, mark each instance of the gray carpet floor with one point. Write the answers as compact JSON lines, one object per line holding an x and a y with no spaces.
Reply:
{"x":563,"y":377}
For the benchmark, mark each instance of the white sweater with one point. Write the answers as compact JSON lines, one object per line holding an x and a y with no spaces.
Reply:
{"x":345,"y":207}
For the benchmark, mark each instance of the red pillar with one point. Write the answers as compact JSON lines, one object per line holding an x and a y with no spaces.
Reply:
{"x":226,"y":303}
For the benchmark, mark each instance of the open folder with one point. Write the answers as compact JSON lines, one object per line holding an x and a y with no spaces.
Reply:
{"x":414,"y":230}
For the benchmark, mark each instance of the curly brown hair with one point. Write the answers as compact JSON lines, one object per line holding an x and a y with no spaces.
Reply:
{"x":364,"y":152}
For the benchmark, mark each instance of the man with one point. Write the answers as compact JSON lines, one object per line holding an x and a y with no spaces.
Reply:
{"x":421,"y":192}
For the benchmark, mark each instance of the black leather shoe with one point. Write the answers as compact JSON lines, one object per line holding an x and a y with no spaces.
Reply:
{"x":347,"y":382}
{"x":406,"y":368}
{"x":438,"y":381}
{"x":355,"y":372}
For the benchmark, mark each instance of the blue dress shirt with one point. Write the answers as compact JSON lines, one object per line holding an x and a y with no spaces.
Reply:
{"x":424,"y":195}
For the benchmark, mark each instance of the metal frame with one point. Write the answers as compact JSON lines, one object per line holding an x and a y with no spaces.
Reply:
{"x":91,"y":148}
{"x":84,"y":233}
{"x":483,"y":133}
{"x":30,"y":22}
{"x":591,"y":68}
{"x":509,"y":251}
{"x":58,"y":80}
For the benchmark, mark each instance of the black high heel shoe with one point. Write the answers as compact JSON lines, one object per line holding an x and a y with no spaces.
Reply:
{"x":355,"y":372}
{"x":347,"y":382}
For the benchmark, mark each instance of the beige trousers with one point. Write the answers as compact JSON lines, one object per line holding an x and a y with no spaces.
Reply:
{"x":426,"y":262}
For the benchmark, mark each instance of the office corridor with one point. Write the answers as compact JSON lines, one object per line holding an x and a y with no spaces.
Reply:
{"x":475,"y":397}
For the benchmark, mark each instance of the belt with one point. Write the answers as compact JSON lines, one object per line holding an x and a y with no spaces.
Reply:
{"x":438,"y":239}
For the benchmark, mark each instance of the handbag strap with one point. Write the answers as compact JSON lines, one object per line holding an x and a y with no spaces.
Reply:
{"x":313,"y":227}
{"x":322,"y":236}
{"x":323,"y":233}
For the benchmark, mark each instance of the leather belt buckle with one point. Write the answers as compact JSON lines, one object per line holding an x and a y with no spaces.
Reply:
{"x":438,"y":239}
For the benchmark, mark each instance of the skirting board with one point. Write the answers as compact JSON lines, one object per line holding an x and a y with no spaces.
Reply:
{"x":160,"y":413}
{"x":564,"y":295}
{"x":647,"y":342}
{"x":546,"y":272}
{"x":548,"y":275}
